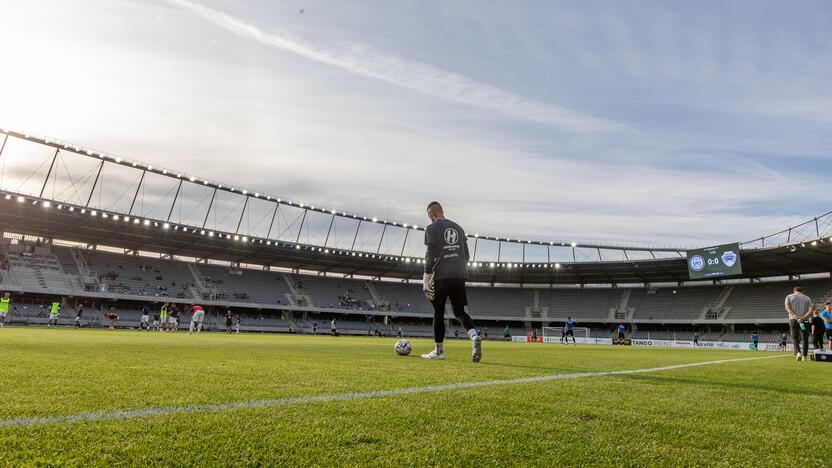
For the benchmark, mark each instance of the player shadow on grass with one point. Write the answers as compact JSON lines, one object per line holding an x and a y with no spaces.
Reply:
{"x":739,"y":386}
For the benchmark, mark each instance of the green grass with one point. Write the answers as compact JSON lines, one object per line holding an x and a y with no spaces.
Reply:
{"x":757,"y":413}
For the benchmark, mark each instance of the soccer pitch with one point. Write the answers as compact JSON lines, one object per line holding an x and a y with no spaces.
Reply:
{"x":147,"y":398}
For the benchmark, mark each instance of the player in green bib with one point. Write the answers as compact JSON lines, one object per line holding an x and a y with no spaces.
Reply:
{"x":163,"y":317}
{"x":54,"y":311}
{"x":5,"y":303}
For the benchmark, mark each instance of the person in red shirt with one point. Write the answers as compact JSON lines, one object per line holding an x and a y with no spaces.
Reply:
{"x":196,"y":319}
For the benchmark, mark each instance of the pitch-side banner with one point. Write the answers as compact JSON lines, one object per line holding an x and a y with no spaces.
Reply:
{"x":707,"y":344}
{"x":553,"y":339}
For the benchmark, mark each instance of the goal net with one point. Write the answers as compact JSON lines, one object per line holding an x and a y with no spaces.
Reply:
{"x":553,"y":334}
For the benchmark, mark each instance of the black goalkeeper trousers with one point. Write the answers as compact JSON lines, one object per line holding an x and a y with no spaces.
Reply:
{"x":453,"y":289}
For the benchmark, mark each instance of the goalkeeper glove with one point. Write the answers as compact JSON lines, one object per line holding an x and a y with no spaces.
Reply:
{"x":428,"y":286}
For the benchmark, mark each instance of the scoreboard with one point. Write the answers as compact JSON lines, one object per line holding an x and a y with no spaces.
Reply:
{"x":714,"y":262}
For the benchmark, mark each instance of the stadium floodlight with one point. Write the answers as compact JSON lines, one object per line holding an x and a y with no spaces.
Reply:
{"x":210,"y":233}
{"x":236,"y":237}
{"x":574,"y":244}
{"x":93,"y":213}
{"x":166,"y":226}
{"x":202,"y":232}
{"x":257,"y":194}
{"x":326,"y":251}
{"x":46,"y":204}
{"x":814,"y":243}
{"x":178,"y":175}
{"x":245,"y":192}
{"x":60,"y":207}
{"x":20,"y":199}
{"x":192,"y":178}
{"x":136,"y":220}
{"x":149,"y":168}
{"x":71,"y":208}
{"x":118,"y":159}
{"x":8,"y":197}
{"x":205,"y":182}
{"x":104,"y":215}
{"x":83,"y":211}
{"x":165,"y":172}
{"x":557,"y":265}
{"x":245,"y":239}
{"x":300,"y":204}
{"x":147,"y":222}
{"x":115,"y":218}
{"x":375,"y":220}
{"x":333,"y":211}
{"x":298,"y":248}
{"x":126,"y":219}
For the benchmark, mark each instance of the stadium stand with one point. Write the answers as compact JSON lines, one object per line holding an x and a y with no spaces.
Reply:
{"x":283,"y":302}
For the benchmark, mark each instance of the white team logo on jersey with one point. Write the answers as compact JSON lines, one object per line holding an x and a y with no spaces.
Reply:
{"x":451,"y":236}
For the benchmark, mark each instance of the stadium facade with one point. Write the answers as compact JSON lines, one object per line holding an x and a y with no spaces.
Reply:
{"x":90,"y":226}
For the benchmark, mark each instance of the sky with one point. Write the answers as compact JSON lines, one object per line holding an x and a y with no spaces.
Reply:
{"x":672,"y":123}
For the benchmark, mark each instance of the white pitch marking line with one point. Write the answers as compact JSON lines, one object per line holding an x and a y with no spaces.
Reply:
{"x":112,"y":415}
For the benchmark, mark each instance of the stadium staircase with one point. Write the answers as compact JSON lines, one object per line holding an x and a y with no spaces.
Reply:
{"x":89,"y":281}
{"x":622,"y":312}
{"x":718,"y":309}
{"x":379,"y":301}
{"x":295,"y":298}
{"x":200,"y":288}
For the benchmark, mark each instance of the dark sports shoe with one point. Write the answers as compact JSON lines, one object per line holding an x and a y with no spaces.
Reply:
{"x":476,"y":348}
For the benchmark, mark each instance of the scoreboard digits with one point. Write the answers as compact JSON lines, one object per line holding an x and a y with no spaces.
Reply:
{"x":714,"y":262}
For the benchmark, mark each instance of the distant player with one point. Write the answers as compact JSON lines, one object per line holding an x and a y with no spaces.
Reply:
{"x":818,"y":330}
{"x":144,"y":323}
{"x":332,"y":330}
{"x":196,"y":319}
{"x":54,"y":312}
{"x":173,"y":320}
{"x":799,"y":307}
{"x":79,"y":312}
{"x":237,"y":323}
{"x":563,"y":335}
{"x":113,"y":317}
{"x":507,"y":333}
{"x":314,"y":328}
{"x":755,"y":340}
{"x":570,"y":330}
{"x":229,"y":319}
{"x":781,"y":343}
{"x":399,"y":331}
{"x":5,"y":303}
{"x":163,"y":317}
{"x":622,"y":331}
{"x":826,"y":315}
{"x":156,"y":321}
{"x":696,"y":339}
{"x":445,"y":274}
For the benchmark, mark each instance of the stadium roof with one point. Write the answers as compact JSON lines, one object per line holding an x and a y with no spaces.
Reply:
{"x":46,"y":218}
{"x":306,"y":237}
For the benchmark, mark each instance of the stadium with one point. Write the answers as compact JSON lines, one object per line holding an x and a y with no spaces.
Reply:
{"x":283,"y":265}
{"x":153,"y":315}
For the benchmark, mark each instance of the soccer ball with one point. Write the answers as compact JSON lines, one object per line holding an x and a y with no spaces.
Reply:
{"x":403,"y":347}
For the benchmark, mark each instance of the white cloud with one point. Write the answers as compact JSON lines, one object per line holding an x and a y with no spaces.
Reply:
{"x":364,"y":60}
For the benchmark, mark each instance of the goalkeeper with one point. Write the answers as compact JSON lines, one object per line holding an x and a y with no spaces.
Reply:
{"x":445,"y":275}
